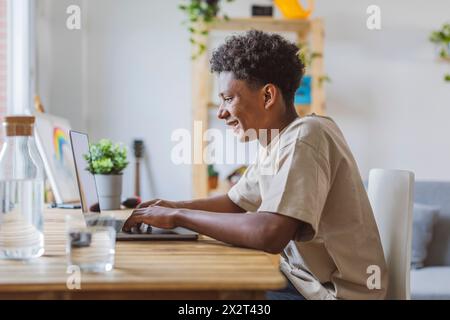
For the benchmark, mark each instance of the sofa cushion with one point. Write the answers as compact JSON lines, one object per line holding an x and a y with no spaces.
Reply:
{"x":437,"y":194}
{"x":430,"y":283}
{"x":423,"y":223}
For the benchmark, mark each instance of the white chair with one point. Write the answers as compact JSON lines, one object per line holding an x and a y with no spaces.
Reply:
{"x":391,"y":194}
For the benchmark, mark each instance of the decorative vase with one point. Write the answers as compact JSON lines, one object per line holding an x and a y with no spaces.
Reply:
{"x":109,"y":191}
{"x":293,"y":9}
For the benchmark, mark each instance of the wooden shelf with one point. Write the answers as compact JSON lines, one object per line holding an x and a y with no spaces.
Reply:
{"x":307,"y":31}
{"x":301,"y":26}
{"x":212,"y":105}
{"x":303,"y":110}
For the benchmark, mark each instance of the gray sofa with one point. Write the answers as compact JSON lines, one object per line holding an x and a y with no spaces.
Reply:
{"x":433,"y":280}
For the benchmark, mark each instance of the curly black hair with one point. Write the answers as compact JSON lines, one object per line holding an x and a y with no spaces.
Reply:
{"x":261,"y":58}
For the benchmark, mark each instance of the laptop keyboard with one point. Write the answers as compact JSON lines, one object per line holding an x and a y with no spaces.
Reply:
{"x":143,"y":229}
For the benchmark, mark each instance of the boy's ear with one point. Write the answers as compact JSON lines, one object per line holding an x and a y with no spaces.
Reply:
{"x":270,"y":94}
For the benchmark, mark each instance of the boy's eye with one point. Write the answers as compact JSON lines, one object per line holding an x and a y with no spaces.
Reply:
{"x":227,"y":99}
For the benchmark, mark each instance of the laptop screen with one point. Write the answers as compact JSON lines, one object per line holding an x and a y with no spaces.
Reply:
{"x":86,"y":180}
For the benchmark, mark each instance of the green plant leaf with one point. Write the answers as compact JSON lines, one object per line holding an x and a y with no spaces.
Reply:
{"x":200,"y":11}
{"x":323,"y":79}
{"x":441,"y":36}
{"x":105,"y":157}
{"x":443,"y":53}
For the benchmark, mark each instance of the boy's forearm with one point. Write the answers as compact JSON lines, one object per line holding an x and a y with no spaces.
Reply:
{"x":237,"y":229}
{"x":221,"y":203}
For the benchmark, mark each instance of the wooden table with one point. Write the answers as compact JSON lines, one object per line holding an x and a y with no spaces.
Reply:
{"x":203,"y":269}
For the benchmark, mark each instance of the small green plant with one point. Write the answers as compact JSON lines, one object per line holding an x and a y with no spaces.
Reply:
{"x":306,"y":57}
{"x":106,"y":157}
{"x":199,"y":14}
{"x":211,"y":171}
{"x":442,"y":39}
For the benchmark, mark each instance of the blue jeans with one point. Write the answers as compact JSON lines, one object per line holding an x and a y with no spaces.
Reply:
{"x":288,"y":293}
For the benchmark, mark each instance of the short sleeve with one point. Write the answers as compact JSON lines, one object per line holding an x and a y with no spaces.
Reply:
{"x":246,"y":193}
{"x":300,"y":187}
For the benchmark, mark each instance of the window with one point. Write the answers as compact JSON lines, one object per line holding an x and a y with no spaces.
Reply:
{"x":3,"y":61}
{"x":19,"y":56}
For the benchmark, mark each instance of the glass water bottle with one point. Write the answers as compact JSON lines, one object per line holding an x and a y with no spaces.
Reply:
{"x":21,"y":191}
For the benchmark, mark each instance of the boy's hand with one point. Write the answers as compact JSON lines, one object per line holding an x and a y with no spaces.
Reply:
{"x":157,"y":216}
{"x":158,"y":202}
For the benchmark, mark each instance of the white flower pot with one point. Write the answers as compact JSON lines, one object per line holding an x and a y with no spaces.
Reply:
{"x":109,"y":191}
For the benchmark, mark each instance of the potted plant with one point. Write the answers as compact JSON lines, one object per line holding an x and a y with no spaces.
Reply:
{"x":199,"y":14}
{"x":106,"y":161}
{"x":213,"y":177}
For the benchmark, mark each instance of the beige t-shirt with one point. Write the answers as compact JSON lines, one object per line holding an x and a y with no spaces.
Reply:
{"x":308,"y":173}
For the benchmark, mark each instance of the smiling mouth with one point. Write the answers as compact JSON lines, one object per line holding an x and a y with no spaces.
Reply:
{"x":233,"y":123}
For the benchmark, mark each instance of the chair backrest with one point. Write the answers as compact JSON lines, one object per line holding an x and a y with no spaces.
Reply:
{"x":391,"y":195}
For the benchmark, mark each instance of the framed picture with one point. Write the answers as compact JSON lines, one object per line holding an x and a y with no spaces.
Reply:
{"x":303,"y":93}
{"x":52,"y":139}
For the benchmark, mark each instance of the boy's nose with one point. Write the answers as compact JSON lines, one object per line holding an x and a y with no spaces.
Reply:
{"x":222,"y":113}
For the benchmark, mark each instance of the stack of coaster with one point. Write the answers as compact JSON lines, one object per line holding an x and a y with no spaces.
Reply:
{"x":17,"y":233}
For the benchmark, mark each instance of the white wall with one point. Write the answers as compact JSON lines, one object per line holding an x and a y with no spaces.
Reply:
{"x":139,"y":84}
{"x":59,"y":61}
{"x":387,"y":92}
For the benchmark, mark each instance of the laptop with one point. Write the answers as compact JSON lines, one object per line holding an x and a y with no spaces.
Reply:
{"x":90,"y":203}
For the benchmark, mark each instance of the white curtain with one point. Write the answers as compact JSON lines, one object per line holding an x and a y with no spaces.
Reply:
{"x":20,"y":81}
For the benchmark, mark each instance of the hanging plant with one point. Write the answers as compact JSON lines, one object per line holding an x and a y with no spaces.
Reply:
{"x":306,"y":57}
{"x":442,"y":40}
{"x":199,"y":14}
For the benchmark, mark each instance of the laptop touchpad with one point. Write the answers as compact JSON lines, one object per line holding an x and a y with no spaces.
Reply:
{"x":162,"y":231}
{"x":144,"y":229}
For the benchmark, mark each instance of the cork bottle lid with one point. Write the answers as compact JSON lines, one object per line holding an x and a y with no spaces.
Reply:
{"x":19,"y":120}
{"x":19,"y":125}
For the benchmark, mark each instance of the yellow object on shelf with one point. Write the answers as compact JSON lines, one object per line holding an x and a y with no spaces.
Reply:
{"x":38,"y":104}
{"x":293,"y":9}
